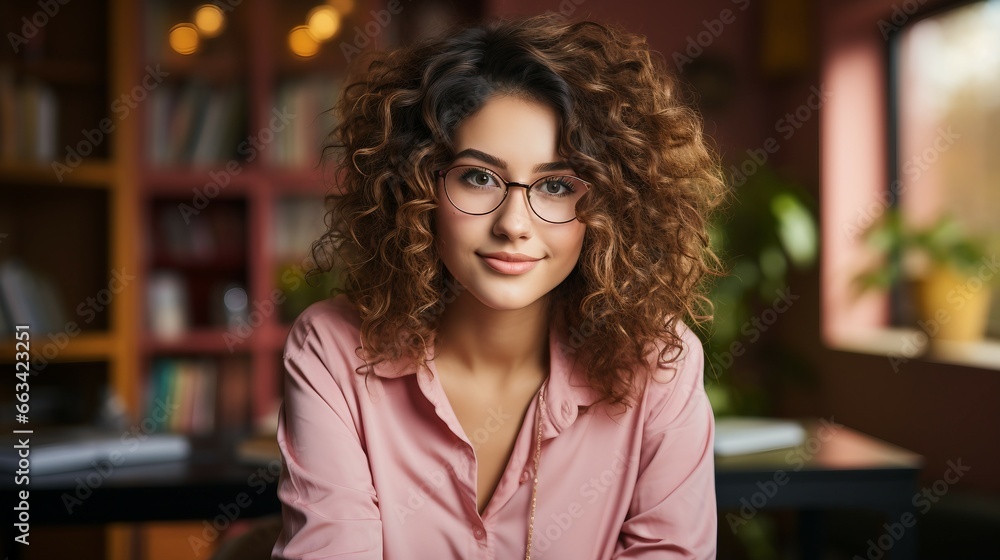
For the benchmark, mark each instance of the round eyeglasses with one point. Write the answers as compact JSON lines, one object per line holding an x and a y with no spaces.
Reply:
{"x":477,"y":190}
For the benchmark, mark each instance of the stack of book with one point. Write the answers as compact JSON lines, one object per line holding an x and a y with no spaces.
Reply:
{"x":87,"y":448}
{"x":741,"y":434}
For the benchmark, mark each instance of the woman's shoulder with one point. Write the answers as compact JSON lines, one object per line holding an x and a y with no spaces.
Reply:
{"x":676,"y":375}
{"x":684,"y":353}
{"x":333,"y":320}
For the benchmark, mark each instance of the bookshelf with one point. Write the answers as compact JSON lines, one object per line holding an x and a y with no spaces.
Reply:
{"x":63,"y":218}
{"x":178,"y":191}
{"x":233,"y":131}
{"x":66,"y":213}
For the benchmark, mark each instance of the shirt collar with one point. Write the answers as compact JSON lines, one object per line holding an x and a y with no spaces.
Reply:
{"x":567,"y":388}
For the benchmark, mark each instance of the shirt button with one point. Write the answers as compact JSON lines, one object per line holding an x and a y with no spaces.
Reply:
{"x":525,"y":476}
{"x":479,"y":533}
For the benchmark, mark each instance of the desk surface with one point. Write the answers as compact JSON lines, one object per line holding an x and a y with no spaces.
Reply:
{"x":828,"y":446}
{"x":835,"y":466}
{"x":210,"y":482}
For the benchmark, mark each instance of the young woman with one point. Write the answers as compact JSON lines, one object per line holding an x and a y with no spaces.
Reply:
{"x":520,"y":224}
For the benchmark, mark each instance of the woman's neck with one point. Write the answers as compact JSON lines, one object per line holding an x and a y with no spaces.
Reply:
{"x":495,"y":348}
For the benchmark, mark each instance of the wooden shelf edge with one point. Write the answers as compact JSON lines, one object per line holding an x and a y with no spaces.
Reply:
{"x":82,"y":347}
{"x":87,"y":174}
{"x":200,"y":341}
{"x":268,"y":337}
{"x":184,"y":180}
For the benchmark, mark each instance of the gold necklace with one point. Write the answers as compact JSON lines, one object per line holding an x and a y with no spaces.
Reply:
{"x":538,"y":452}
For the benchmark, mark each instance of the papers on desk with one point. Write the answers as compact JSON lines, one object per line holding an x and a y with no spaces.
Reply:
{"x":83,"y":449}
{"x":743,"y":434}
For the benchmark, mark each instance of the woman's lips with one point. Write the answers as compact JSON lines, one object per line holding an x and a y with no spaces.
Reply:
{"x":508,"y":267}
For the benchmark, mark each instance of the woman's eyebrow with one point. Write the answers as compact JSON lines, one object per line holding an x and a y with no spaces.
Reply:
{"x":490,"y":159}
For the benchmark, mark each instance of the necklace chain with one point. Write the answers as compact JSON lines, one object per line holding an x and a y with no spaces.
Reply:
{"x":534,"y":486}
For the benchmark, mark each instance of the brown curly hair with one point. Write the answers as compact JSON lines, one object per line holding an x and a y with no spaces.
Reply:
{"x":654,"y":182}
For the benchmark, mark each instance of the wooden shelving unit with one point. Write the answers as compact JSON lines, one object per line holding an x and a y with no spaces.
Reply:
{"x":73,"y":228}
{"x":106,"y":215}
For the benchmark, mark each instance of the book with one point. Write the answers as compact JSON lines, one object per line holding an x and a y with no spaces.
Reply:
{"x":188,"y":390}
{"x":741,"y":434}
{"x":86,"y":448}
{"x":30,"y":297}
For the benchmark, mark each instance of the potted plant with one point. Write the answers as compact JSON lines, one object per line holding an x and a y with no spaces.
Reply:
{"x":766,"y":234}
{"x":948,"y":273}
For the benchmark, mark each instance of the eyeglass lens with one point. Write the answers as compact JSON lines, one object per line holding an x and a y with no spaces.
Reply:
{"x":477,"y":190}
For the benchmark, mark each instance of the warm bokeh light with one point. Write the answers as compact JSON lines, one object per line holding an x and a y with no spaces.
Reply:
{"x":344,"y":7}
{"x":323,"y":22}
{"x":302,"y":43}
{"x":184,"y":38}
{"x":209,"y":19}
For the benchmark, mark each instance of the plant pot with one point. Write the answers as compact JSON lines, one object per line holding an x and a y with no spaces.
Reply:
{"x":952,"y":305}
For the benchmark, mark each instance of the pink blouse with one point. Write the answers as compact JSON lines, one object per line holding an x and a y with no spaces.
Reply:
{"x":386,"y":471}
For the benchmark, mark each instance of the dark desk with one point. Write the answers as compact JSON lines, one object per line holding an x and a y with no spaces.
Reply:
{"x":836,"y":467}
{"x":210,"y":483}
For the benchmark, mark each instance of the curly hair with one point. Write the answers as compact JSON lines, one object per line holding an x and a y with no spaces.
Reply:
{"x":654,"y":183}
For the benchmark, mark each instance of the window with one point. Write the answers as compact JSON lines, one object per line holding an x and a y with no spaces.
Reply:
{"x":924,"y":142}
{"x":946,"y":94}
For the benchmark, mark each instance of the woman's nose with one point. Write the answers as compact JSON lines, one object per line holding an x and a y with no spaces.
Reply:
{"x":514,"y":215}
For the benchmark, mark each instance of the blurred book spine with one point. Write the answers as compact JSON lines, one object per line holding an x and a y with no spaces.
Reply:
{"x":194,"y":124}
{"x":28,"y":297}
{"x":309,"y":100}
{"x":29,"y":115}
{"x":183,"y":396}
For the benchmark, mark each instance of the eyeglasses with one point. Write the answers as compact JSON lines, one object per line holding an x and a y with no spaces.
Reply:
{"x":477,"y":190}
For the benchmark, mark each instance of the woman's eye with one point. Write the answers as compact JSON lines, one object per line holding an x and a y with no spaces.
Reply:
{"x":479,"y":179}
{"x":556,"y":187}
